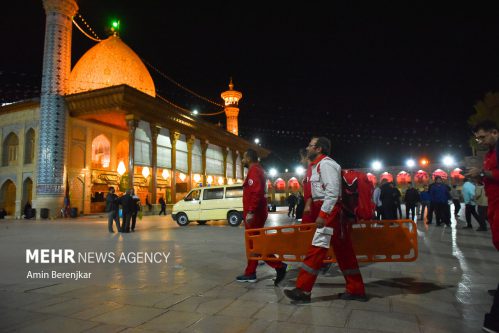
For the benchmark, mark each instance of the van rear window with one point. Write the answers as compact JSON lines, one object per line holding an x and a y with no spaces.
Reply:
{"x":234,"y":192}
{"x":213,"y":193}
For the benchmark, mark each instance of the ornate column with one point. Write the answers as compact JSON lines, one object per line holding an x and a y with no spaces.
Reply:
{"x":154,"y":160}
{"x":190,"y":143}
{"x":174,"y":136}
{"x":234,"y":163}
{"x":225,"y":152}
{"x":132,"y":124}
{"x":204,"y":147}
{"x":50,"y":171}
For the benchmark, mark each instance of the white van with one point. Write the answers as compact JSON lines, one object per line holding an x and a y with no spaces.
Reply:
{"x":211,"y":203}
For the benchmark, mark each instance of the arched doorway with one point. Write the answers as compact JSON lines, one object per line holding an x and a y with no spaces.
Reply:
{"x":27,"y":192}
{"x":8,"y":197}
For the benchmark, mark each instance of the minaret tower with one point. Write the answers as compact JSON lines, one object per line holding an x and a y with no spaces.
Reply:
{"x":231,"y":98}
{"x":53,"y":112}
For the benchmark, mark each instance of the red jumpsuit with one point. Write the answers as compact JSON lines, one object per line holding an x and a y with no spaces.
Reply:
{"x":254,"y":200}
{"x":492,"y":192}
{"x":341,"y":242}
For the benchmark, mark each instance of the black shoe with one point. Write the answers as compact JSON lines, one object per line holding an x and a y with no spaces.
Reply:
{"x":297,"y":295}
{"x":352,"y":297}
{"x":482,"y":229}
{"x":280,"y":274}
{"x":490,"y":324}
{"x":246,"y":278}
{"x":325,"y":268}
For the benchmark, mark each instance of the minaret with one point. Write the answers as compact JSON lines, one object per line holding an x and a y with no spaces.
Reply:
{"x":231,"y":98}
{"x":53,"y":112}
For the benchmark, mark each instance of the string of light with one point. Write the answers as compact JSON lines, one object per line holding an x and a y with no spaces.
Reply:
{"x":179,"y":85}
{"x":173,"y":104}
{"x":95,"y":38}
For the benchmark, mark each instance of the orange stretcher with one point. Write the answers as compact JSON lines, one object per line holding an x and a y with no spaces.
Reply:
{"x":373,"y":241}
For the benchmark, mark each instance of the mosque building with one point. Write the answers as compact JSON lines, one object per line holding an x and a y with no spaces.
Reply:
{"x":101,"y":124}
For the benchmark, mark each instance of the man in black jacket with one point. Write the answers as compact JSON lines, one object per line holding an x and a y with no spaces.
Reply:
{"x":112,"y":209}
{"x":411,"y":200}
{"x":128,"y":206}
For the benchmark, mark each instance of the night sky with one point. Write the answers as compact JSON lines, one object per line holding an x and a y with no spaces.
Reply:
{"x":381,"y":79}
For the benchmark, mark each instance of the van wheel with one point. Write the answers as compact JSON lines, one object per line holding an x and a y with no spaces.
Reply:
{"x":234,"y":219}
{"x":202,"y":222}
{"x":182,"y":219}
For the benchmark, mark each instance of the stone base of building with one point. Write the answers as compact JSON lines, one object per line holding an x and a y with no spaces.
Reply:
{"x":54,"y":204}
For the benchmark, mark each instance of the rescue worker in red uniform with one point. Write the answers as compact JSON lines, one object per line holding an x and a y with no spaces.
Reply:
{"x":325,"y":183}
{"x":255,"y":213}
{"x":487,"y":133}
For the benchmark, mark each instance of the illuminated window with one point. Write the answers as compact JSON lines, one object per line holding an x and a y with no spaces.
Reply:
{"x":29,"y":147}
{"x":101,"y":152}
{"x":10,"y":150}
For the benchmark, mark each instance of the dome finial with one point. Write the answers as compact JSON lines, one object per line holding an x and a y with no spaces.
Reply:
{"x":231,"y":85}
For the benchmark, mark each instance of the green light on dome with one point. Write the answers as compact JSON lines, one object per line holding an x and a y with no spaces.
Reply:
{"x":115,"y":25}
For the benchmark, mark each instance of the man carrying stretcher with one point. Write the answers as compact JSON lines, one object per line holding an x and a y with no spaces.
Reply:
{"x":332,"y":229}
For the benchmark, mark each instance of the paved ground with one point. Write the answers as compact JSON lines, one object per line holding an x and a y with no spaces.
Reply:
{"x":445,"y":290}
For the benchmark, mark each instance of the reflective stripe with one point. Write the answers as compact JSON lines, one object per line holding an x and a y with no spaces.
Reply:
{"x":309,"y":269}
{"x":351,"y":271}
{"x":318,"y":198}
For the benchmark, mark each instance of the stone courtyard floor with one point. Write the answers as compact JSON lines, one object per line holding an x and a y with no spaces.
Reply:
{"x":445,"y":290}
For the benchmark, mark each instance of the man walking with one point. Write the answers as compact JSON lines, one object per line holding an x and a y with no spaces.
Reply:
{"x":162,"y":202}
{"x":469,"y":201}
{"x":440,"y":196}
{"x":411,"y":200}
{"x":112,"y":209}
{"x":255,"y":213}
{"x":326,"y":188}
{"x":128,"y":206}
{"x":487,"y":133}
{"x":291,"y":205}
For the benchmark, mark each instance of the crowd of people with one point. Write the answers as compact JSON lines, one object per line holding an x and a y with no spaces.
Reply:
{"x":322,"y":206}
{"x":125,"y":208}
{"x":433,"y":202}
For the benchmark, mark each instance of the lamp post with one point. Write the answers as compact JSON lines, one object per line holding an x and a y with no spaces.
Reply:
{"x":448,"y":162}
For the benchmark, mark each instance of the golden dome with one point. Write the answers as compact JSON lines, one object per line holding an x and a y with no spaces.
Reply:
{"x":110,"y":63}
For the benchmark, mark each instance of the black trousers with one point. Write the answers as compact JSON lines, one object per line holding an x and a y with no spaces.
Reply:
{"x":457,"y":206}
{"x":492,"y":318}
{"x":410,"y":208}
{"x":468,"y":211}
{"x":291,"y":211}
{"x":163,"y":210}
{"x":126,"y":222}
{"x":134,"y":220}
{"x":482,"y":214}
{"x":431,"y":209}
{"x":442,"y":212}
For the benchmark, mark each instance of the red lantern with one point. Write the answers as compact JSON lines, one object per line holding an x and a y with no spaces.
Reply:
{"x":372,"y":178}
{"x":441,"y":173}
{"x":294,"y":184}
{"x":280,"y":184}
{"x":269,"y":185}
{"x":421,"y":177}
{"x":456,"y":176}
{"x":403,"y":178}
{"x":387,"y":176}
